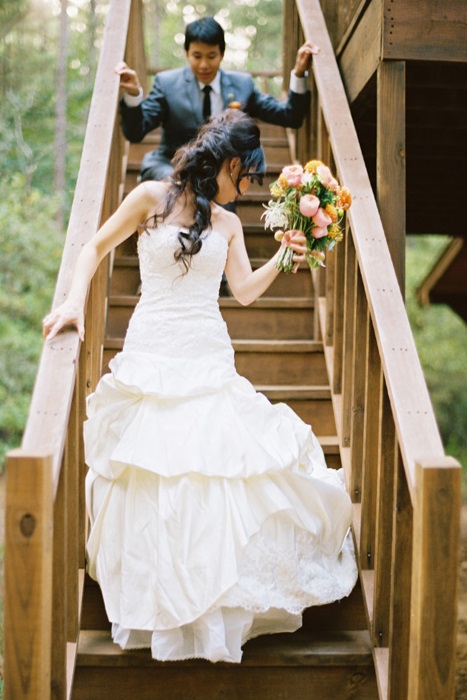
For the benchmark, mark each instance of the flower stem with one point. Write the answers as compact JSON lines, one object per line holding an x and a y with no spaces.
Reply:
{"x":285,"y":262}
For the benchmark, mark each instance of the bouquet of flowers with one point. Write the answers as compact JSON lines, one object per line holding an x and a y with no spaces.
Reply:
{"x":308,"y":199}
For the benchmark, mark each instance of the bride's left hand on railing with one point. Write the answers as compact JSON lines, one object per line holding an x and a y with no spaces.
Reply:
{"x":67,"y":314}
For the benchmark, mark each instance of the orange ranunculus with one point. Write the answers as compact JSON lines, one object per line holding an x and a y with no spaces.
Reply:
{"x":293,"y":175}
{"x":344,"y":198}
{"x":309,"y":205}
{"x":331,"y":210}
{"x":282,"y":181}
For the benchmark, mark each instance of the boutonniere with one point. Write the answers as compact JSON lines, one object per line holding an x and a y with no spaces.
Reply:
{"x":232,"y":102}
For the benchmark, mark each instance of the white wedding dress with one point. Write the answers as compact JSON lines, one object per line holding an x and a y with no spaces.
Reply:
{"x":214,"y":518}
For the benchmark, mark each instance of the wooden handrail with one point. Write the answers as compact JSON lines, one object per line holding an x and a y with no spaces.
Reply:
{"x":47,"y":421}
{"x":409,"y":396}
{"x":45,"y":522}
{"x":406,"y":491}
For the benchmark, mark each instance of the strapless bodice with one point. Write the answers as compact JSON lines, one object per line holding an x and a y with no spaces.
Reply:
{"x":178,"y":312}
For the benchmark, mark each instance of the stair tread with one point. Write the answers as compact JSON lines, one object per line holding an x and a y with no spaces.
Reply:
{"x":289,"y":391}
{"x":240,"y":345}
{"x":230,"y":302}
{"x":271,"y":167}
{"x":302,"y":648}
{"x":133,"y":261}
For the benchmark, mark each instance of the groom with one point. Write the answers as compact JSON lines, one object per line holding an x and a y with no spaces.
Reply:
{"x":182,"y":99}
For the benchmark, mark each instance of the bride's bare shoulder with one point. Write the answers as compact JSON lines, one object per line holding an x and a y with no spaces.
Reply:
{"x":152,"y":193}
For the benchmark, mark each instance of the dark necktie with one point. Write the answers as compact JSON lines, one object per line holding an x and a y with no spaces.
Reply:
{"x":207,"y":102}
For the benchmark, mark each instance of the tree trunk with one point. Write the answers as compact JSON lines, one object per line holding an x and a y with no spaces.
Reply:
{"x":60,"y":115}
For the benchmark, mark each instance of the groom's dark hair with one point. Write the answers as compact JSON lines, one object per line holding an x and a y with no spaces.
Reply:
{"x":206,"y":31}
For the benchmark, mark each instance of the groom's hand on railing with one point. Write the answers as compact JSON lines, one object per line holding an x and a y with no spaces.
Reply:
{"x":304,"y":55}
{"x":129,"y":81}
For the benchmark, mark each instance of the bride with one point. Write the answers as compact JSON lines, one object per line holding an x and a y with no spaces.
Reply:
{"x":213,"y":515}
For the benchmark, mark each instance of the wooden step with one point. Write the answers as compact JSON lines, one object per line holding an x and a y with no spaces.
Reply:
{"x":126,"y":279}
{"x":272,"y":173}
{"x":276,"y":149}
{"x":259,"y":243}
{"x":289,"y":362}
{"x":345,"y":614}
{"x":312,"y":403}
{"x":279,"y":318}
{"x":269,"y":317}
{"x":322,"y":665}
{"x":265,"y":362}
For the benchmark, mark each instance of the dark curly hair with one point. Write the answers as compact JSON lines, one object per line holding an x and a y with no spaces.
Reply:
{"x":197,"y":165}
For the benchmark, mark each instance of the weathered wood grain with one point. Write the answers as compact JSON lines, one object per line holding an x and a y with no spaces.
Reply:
{"x":28,"y":576}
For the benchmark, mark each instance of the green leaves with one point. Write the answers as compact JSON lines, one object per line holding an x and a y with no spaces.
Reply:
{"x":441,"y":339}
{"x":31,"y":248}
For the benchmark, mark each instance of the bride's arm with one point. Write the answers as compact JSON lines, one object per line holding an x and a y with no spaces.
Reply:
{"x":135,"y":209}
{"x":247,"y":285}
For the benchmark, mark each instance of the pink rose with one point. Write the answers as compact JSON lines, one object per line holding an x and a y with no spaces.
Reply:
{"x":326,"y":177}
{"x":318,"y":232}
{"x":321,"y":218}
{"x":293,"y":174}
{"x":309,"y":205}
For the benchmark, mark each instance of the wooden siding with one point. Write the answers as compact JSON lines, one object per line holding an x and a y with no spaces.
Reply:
{"x":425,"y":30}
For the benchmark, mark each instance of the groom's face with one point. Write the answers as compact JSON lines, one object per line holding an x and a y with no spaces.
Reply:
{"x":204,"y":60}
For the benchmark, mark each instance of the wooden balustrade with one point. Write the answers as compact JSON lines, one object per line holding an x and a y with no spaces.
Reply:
{"x":406,"y":492}
{"x":45,"y":514}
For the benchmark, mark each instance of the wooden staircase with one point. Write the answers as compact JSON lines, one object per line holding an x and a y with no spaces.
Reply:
{"x":394,"y":637}
{"x":331,"y":656}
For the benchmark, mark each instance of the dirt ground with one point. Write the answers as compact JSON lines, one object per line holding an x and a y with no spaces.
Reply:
{"x":461,"y":683}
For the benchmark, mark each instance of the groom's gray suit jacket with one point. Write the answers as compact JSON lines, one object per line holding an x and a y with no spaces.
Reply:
{"x":175,"y":104}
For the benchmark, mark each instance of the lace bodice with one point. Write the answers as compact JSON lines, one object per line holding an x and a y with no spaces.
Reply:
{"x":178,"y":313}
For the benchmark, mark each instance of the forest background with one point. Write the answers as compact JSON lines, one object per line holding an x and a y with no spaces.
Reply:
{"x":48,"y":56}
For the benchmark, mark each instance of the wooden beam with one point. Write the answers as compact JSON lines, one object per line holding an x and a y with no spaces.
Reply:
{"x":384,"y":523}
{"x":358,"y":389}
{"x":362,"y":54}
{"x":338,"y":321}
{"x":28,"y":575}
{"x":425,"y":30}
{"x":399,"y":626}
{"x":371,"y":438}
{"x":435,"y":579}
{"x":390,"y":160}
{"x":134,"y":53}
{"x":348,"y":364}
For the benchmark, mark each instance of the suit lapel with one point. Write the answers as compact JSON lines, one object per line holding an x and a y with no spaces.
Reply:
{"x":192,"y":95}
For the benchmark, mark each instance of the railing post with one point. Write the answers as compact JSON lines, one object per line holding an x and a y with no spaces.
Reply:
{"x":28,"y":576}
{"x":390,"y":166}
{"x":399,"y":632}
{"x":435,"y":579}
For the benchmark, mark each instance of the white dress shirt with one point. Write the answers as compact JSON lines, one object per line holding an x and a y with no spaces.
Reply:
{"x":298,"y":85}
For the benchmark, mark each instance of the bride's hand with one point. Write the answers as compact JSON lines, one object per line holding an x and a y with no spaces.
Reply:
{"x":295,"y":240}
{"x":67,"y":314}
